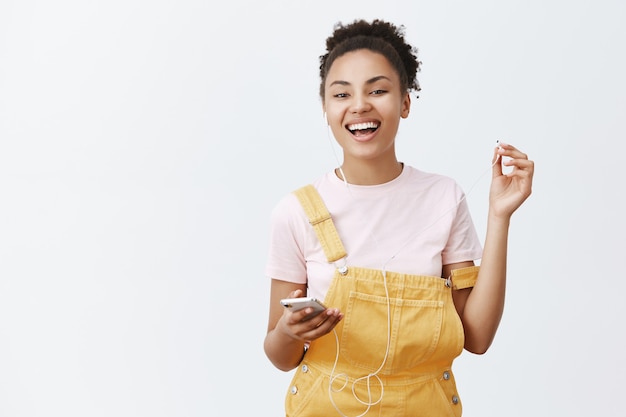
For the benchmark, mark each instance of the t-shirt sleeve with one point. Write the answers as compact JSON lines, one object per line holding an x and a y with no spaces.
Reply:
{"x":287,"y":235}
{"x":463,"y":243}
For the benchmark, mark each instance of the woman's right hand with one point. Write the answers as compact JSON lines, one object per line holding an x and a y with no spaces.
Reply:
{"x":287,"y":331}
{"x":294,"y":325}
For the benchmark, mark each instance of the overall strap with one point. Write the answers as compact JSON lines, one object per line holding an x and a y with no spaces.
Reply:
{"x":462,"y":278}
{"x":322,"y":223}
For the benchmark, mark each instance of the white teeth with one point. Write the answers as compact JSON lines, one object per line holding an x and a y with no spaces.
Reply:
{"x":362,"y":126}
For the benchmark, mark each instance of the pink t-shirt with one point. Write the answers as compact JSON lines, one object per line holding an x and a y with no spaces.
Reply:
{"x":414,"y":224}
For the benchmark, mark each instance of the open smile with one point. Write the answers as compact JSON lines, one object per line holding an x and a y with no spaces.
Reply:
{"x":363,"y":129}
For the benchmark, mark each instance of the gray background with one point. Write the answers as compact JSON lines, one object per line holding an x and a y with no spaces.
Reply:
{"x":143,"y":145}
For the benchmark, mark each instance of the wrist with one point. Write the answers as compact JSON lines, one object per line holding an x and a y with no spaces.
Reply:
{"x":283,"y":351}
{"x":498,"y":219}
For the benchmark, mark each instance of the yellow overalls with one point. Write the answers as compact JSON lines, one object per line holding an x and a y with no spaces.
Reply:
{"x":392,"y":353}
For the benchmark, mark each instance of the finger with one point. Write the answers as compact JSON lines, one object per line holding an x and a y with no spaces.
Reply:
{"x":511,"y":151}
{"x":522,"y":173}
{"x":295,"y":294}
{"x":332,"y":315}
{"x":496,"y":170}
{"x":521,"y":178}
{"x":301,"y":315}
{"x":323,"y":317}
{"x":331,"y":322}
{"x":513,"y":158}
{"x":521,"y":164}
{"x":326,"y":315}
{"x":324,"y":327}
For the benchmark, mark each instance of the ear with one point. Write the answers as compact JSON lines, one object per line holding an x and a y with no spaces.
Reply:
{"x":406,"y":106}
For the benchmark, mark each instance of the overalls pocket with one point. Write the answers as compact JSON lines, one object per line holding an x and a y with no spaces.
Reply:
{"x":403,"y":333}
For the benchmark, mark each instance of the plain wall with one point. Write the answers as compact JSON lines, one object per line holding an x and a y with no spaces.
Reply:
{"x":143,"y":145}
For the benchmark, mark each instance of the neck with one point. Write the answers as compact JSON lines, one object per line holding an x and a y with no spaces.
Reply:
{"x":370,"y":174}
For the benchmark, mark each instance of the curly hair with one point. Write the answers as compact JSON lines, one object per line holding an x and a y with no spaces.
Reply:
{"x":378,"y":36}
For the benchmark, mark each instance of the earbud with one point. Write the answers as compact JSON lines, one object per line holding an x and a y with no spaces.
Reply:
{"x":502,"y":158}
{"x":499,"y":145}
{"x":325,"y":118}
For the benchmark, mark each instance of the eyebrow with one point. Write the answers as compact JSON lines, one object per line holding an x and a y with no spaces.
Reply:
{"x":370,"y":81}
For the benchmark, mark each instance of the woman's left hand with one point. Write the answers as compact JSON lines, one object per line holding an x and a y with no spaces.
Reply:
{"x":509,"y":191}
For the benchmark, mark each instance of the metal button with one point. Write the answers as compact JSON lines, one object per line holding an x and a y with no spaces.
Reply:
{"x":455,"y":399}
{"x":446,"y":375}
{"x":305,"y":369}
{"x":294,"y":390}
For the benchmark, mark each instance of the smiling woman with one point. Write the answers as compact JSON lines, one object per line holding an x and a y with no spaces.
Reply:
{"x":389,"y":248}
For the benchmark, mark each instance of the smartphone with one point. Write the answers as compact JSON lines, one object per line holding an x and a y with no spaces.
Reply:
{"x":297,"y":304}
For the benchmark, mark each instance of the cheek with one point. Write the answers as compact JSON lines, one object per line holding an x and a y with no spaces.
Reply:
{"x":334,"y":115}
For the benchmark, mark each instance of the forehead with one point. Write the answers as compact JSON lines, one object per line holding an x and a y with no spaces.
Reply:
{"x":360,"y":66}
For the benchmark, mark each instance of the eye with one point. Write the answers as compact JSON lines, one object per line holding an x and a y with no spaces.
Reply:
{"x":378,"y":92}
{"x":340,"y":95}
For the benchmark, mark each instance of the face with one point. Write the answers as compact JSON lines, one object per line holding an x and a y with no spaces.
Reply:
{"x":364,"y":103}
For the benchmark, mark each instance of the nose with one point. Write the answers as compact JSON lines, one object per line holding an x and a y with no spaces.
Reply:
{"x":360,"y":104}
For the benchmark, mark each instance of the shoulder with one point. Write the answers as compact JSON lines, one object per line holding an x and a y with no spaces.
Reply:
{"x":289,"y":210}
{"x":421,"y":180}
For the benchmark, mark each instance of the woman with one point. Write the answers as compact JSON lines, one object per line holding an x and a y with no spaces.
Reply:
{"x":390,"y":249}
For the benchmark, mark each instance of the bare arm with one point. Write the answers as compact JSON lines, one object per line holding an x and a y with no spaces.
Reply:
{"x":481,"y":307}
{"x":287,"y":333}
